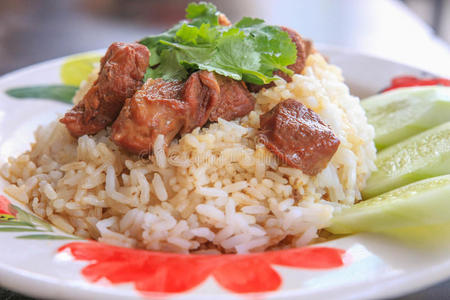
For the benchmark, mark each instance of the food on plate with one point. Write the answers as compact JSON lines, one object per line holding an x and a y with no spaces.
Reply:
{"x":424,"y":155}
{"x":156,"y":109}
{"x":401,"y":113}
{"x":297,"y":136}
{"x":167,"y":149}
{"x":121,"y":72}
{"x":419,"y":204}
{"x":169,"y":107}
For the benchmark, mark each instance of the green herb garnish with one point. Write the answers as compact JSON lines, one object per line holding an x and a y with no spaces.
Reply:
{"x":250,"y":50}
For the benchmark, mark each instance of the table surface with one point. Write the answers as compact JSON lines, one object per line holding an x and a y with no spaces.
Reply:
{"x":32,"y":31}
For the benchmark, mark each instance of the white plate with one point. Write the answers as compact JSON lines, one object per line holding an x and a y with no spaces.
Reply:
{"x":369,"y":266}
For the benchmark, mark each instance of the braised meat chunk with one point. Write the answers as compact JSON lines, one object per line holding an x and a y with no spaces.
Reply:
{"x":235,"y":100}
{"x":211,"y":96}
{"x":157,"y":108}
{"x":201,"y":94}
{"x":121,"y":72}
{"x":297,"y":136}
{"x":170,"y":107}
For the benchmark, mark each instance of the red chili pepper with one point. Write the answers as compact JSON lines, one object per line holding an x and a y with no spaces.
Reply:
{"x":407,"y":81}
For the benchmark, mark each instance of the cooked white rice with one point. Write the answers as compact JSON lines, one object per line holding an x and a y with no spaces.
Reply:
{"x":217,"y":187}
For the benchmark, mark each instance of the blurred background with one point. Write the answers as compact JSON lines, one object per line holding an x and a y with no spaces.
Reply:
{"x":414,"y":32}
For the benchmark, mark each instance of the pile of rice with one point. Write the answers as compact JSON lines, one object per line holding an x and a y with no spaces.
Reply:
{"x":216,"y":190}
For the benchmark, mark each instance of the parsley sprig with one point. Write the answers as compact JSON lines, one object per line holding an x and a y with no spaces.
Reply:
{"x":250,"y":50}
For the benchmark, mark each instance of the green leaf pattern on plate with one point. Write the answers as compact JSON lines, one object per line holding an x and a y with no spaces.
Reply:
{"x":17,"y":229}
{"x":59,"y":92}
{"x":15,"y":219}
{"x":48,"y":237}
{"x":73,"y":71}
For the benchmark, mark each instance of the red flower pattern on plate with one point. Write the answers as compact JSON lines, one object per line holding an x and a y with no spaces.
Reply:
{"x":6,"y":208}
{"x":157,"y":272}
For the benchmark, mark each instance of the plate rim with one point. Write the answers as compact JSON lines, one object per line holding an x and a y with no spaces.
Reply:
{"x":437,"y":274}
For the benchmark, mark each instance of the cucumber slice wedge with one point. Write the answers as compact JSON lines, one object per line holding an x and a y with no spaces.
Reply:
{"x":401,"y":113}
{"x":423,"y":204}
{"x":421,"y":156}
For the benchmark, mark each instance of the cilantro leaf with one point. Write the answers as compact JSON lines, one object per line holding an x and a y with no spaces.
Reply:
{"x":154,"y":46}
{"x":202,"y":13}
{"x":187,"y":34}
{"x":250,"y":50}
{"x":247,"y":22}
{"x":237,"y":53}
{"x":207,"y":34}
{"x":193,"y":57}
{"x":191,"y":35}
{"x":233,"y":56}
{"x":168,"y":69}
{"x":276,"y":48}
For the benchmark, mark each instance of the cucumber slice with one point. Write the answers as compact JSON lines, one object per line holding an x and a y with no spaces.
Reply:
{"x":424,"y":204}
{"x":427,"y":236}
{"x":401,"y":113}
{"x":421,"y":156}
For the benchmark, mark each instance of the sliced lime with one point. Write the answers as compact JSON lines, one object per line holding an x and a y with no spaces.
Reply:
{"x":401,"y":113}
{"x":421,"y":156}
{"x":77,"y":68}
{"x":423,"y":204}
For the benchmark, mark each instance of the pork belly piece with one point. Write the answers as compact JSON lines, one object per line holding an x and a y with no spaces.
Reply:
{"x":121,"y":72}
{"x":201,"y":94}
{"x":211,"y":96}
{"x":157,"y":108}
{"x":235,"y":100}
{"x":169,"y":107}
{"x":304,"y":48}
{"x":298,"y":137}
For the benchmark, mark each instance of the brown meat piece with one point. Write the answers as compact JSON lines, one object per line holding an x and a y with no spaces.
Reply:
{"x":297,"y":136}
{"x":309,"y":47}
{"x":157,"y":108}
{"x":201,"y":93}
{"x":121,"y":72}
{"x":211,"y":96}
{"x":303,"y":50}
{"x":168,"y":108}
{"x":235,"y":100}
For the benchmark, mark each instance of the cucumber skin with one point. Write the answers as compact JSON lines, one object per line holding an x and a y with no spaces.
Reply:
{"x":415,"y":168}
{"x":424,"y":204}
{"x":431,"y":108}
